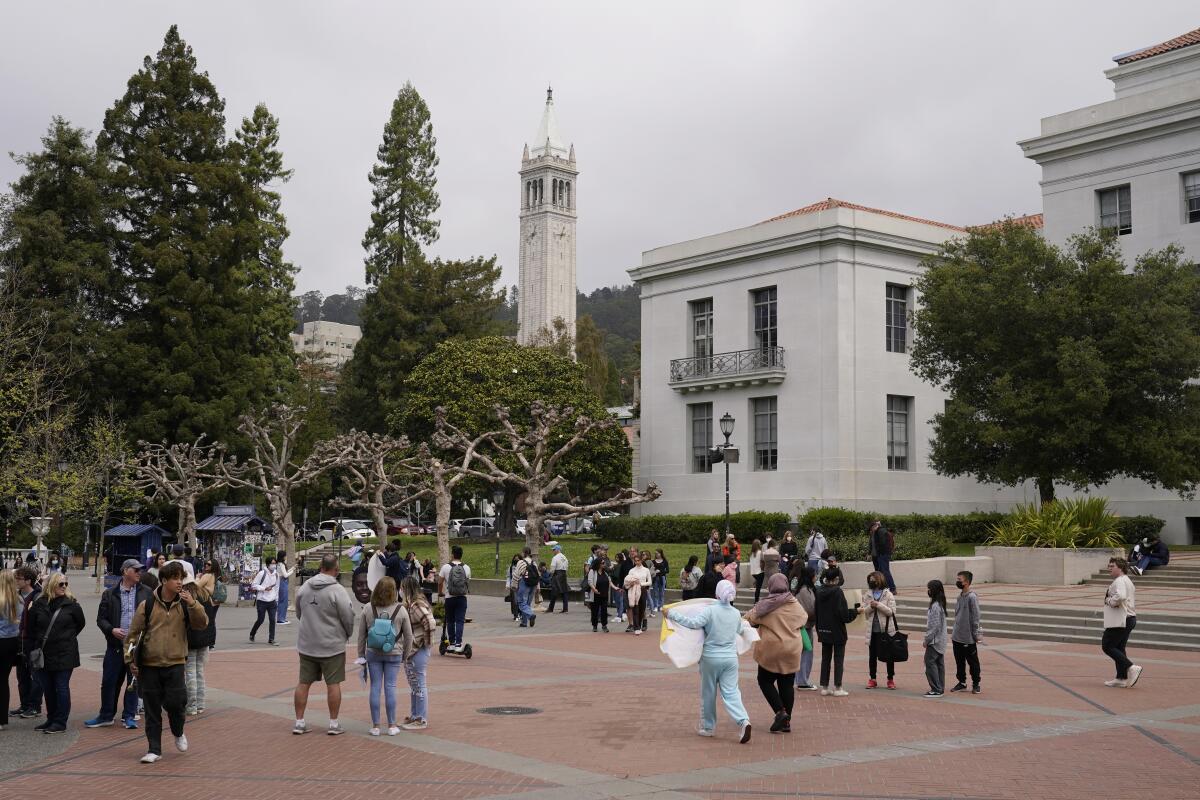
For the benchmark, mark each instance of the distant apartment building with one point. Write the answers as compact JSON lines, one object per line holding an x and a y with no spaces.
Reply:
{"x":332,"y":343}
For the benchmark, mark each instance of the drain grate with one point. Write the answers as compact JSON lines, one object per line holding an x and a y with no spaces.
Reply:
{"x":509,"y":711}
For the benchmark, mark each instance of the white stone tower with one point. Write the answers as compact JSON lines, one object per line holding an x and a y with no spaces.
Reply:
{"x":547,"y":264}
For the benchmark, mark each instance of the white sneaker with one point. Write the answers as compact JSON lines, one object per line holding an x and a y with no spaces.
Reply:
{"x":374,"y":731}
{"x":824,"y":691}
{"x":417,"y":724}
{"x":839,"y":692}
{"x":1114,"y":682}
{"x":1135,"y":672}
{"x":150,"y":758}
{"x":393,"y":730}
{"x":704,"y":732}
{"x":300,"y":728}
{"x":181,"y":744}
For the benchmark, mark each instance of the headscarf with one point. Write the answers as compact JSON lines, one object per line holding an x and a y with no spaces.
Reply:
{"x":726,"y":592}
{"x":778,"y":595}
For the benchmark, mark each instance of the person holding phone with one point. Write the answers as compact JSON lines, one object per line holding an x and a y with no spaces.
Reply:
{"x":832,"y":618}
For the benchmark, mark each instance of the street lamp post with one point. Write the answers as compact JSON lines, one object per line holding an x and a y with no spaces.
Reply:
{"x":63,"y":466}
{"x":497,"y":499}
{"x":729,"y":454}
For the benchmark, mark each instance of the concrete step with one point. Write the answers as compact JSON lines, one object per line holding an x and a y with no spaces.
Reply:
{"x":1164,"y":582}
{"x":1010,"y":618}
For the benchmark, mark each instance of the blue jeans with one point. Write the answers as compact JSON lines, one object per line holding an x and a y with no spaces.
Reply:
{"x":720,"y":673}
{"x":1145,"y":562}
{"x":658,"y":591}
{"x":814,"y":564}
{"x":524,"y":593}
{"x":414,"y":670}
{"x":384,"y":670}
{"x":620,"y":601}
{"x":884,"y":564}
{"x":806,"y":661}
{"x":283,"y":600}
{"x":115,"y":676}
{"x":456,"y":615}
{"x":57,"y":686}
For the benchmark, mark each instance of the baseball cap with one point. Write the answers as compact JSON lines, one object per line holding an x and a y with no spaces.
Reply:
{"x":131,"y":562}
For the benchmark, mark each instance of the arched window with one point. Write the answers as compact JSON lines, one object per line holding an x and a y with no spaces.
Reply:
{"x":567,"y":188}
{"x":541,"y":191}
{"x":528,"y":194}
{"x":554,"y":193}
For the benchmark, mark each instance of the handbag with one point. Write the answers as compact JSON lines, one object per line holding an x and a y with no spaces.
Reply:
{"x":806,"y":639}
{"x":893,"y":646}
{"x":37,"y":659}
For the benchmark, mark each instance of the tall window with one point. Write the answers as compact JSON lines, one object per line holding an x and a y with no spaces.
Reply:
{"x":700,"y":417}
{"x":1191,"y":196}
{"x":896,"y":318}
{"x":702,"y":328}
{"x":766,"y":434}
{"x":898,"y":409}
{"x":1115,"y":211}
{"x":766,"y":328}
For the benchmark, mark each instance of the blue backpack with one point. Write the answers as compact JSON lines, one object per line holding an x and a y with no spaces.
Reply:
{"x":381,"y":636}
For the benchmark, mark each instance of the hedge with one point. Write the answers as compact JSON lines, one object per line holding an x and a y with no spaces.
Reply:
{"x":1134,"y":529}
{"x":690,"y":528}
{"x":909,"y":545}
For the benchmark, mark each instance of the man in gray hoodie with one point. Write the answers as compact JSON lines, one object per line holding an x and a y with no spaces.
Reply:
{"x":966,"y":634}
{"x":326,"y":623}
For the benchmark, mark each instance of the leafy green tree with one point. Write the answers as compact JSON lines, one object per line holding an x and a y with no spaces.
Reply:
{"x":598,"y":368}
{"x":403,"y":188}
{"x":403,"y":320}
{"x":55,"y":235}
{"x":1061,"y":365}
{"x":469,"y":378}
{"x":191,"y":354}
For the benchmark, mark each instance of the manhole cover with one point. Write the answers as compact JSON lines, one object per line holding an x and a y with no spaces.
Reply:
{"x":509,"y":711}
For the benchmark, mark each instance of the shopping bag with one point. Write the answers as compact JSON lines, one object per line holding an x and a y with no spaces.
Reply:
{"x":806,"y":638}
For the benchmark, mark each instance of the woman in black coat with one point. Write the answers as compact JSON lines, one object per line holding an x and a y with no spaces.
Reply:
{"x":832,"y":618}
{"x":60,"y":648}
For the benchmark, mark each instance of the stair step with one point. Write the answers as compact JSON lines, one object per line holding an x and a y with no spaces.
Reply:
{"x":1007,"y":616}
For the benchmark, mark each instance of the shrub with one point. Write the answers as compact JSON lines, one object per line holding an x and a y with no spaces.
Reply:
{"x":920,"y":544}
{"x":1133,"y":529}
{"x":690,"y":528}
{"x":849,"y":548}
{"x":835,"y":522}
{"x":973,"y":528}
{"x":1067,"y":523}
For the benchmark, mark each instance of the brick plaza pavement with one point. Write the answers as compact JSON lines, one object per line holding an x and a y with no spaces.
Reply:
{"x":617,"y":721}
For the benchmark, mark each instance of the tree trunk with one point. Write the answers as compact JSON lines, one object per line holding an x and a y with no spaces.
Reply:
{"x":187,"y":522}
{"x":506,"y":515}
{"x":533,"y":521}
{"x":378,"y":521}
{"x":100,"y":549}
{"x":441,"y":503}
{"x":285,"y":529}
{"x":1045,"y":490}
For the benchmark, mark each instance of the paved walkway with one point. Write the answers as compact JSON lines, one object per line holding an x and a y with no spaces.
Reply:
{"x":617,"y":721}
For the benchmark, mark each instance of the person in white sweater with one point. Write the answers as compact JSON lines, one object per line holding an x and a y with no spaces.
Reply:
{"x":266,"y":598}
{"x":1119,"y":619}
{"x":637,"y":587}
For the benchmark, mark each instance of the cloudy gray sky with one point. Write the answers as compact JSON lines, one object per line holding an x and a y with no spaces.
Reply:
{"x":688,"y":117}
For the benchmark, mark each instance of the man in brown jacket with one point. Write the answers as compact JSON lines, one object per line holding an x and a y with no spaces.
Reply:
{"x":159,"y":631}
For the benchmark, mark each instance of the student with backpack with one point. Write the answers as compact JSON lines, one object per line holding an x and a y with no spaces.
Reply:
{"x":600,"y":584}
{"x":454,"y":584}
{"x":385,"y":640}
{"x":881,"y":546}
{"x":813,"y":549}
{"x":266,"y":598}
{"x":526,"y":576}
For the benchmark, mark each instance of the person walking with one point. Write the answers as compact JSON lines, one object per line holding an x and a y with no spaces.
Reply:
{"x":200,"y":641}
{"x":526,"y":576}
{"x":966,"y":634}
{"x":558,"y":579}
{"x":756,"y":568}
{"x":689,"y":578}
{"x":813,"y":548}
{"x":511,"y":585}
{"x":935,"y":639}
{"x":1120,"y":617}
{"x":454,"y":584}
{"x":660,"y":568}
{"x":10,"y":639}
{"x":780,"y":619}
{"x":56,"y":623}
{"x":114,"y":615}
{"x":637,"y":589}
{"x":881,"y":546}
{"x":880,"y":607}
{"x":806,"y":594}
{"x":600,"y":585}
{"x":721,"y":624}
{"x":424,"y":628}
{"x":283,"y":573}
{"x":266,"y":597}
{"x":160,"y":631}
{"x":28,"y":688}
{"x":326,"y":623}
{"x":384,"y":642}
{"x":832,"y":618}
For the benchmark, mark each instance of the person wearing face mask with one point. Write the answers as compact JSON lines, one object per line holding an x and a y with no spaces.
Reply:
{"x":266,"y":597}
{"x":966,"y":635}
{"x":832,"y":617}
{"x":880,"y":607}
{"x":935,"y":639}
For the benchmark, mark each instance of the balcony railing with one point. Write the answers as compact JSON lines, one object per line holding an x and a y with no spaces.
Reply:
{"x":723,"y":367}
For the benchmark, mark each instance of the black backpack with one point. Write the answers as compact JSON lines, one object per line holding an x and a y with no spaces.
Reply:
{"x":532,"y":575}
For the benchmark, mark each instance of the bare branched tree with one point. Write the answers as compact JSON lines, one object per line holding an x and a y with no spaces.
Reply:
{"x":537,"y":456}
{"x":178,"y":474}
{"x":380,"y":473}
{"x":439,"y":476}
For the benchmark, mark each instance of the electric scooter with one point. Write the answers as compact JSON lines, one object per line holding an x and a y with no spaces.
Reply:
{"x":444,"y":645}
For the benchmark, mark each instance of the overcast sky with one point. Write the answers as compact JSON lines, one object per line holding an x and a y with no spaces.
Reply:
{"x":688,"y":118}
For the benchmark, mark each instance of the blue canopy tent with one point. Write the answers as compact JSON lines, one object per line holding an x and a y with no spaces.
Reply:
{"x":128,"y":541}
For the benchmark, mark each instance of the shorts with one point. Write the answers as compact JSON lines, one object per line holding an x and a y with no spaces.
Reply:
{"x":331,"y":669}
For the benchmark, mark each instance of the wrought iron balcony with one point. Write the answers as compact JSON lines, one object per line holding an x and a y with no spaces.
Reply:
{"x":739,"y":368}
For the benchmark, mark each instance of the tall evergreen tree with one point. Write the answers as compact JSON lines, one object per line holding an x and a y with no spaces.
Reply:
{"x":598,"y":368}
{"x":403,"y":188}
{"x":55,"y":235}
{"x":188,"y":361}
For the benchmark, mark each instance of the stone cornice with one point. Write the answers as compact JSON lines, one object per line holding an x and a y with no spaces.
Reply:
{"x":1180,"y":117}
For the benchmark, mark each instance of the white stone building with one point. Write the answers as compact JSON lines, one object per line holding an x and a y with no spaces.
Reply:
{"x":796,"y":326}
{"x":330,"y":342}
{"x":547,"y":279}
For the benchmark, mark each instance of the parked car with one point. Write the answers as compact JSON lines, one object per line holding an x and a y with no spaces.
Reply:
{"x":455,"y":524}
{"x":330,"y":529}
{"x":580,"y":525}
{"x":403,"y":526}
{"x":477,"y":527}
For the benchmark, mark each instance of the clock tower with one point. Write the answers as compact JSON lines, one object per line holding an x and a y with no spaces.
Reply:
{"x":546,"y":287}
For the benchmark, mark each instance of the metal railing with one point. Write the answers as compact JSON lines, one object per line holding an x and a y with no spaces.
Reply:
{"x":739,"y":362}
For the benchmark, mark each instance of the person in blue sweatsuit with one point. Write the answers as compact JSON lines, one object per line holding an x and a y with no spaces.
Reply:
{"x":721,"y":623}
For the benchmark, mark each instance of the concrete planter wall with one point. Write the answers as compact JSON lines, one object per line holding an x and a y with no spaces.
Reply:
{"x":1046,"y":566}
